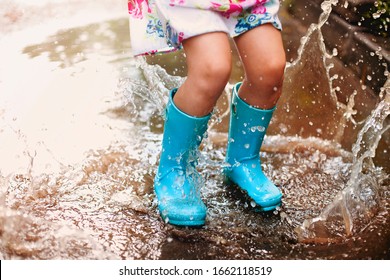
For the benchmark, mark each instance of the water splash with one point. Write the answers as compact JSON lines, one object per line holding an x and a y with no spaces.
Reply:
{"x":317,"y":106}
{"x":353,"y":208}
{"x":103,"y":207}
{"x":152,"y":84}
{"x":313,"y":102}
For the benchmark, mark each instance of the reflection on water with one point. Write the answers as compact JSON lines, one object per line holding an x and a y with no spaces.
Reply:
{"x":81,"y":137}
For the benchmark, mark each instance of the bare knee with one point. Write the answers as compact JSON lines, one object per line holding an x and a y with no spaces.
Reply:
{"x":215,"y":75}
{"x":209,"y":63}
{"x":268,"y":75}
{"x":210,"y":79}
{"x":262,"y":86}
{"x":199,"y":93}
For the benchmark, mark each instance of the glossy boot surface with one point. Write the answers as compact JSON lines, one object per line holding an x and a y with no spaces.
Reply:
{"x":177,"y":182}
{"x":248,"y":126}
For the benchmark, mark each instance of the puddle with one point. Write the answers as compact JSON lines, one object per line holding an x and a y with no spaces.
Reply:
{"x":81,"y":125}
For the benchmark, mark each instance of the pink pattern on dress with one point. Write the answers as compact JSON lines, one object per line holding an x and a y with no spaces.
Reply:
{"x":259,"y":7}
{"x":136,"y":8}
{"x":176,"y":2}
{"x":228,"y":9}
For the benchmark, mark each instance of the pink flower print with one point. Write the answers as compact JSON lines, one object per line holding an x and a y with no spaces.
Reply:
{"x":227,"y":9}
{"x":137,"y":8}
{"x":176,"y":2}
{"x":180,"y":37}
{"x":259,"y":7}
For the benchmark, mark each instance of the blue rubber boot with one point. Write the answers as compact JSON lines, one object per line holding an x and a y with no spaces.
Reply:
{"x":177,"y":181}
{"x":248,"y":126}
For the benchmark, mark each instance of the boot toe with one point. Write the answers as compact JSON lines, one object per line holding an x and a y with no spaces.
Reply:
{"x":256,"y":185}
{"x":269,"y":201}
{"x":182,"y":213}
{"x":267,"y":198}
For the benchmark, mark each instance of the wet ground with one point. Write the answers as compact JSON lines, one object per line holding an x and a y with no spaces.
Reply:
{"x":81,"y":125}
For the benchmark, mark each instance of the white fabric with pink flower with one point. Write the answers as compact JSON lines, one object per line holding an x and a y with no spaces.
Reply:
{"x":158,"y":26}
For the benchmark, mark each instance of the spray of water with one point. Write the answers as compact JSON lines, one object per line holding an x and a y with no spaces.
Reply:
{"x":358,"y":201}
{"x":103,"y":207}
{"x":354,"y":206}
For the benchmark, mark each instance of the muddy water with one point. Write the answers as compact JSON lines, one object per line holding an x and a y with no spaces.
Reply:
{"x":81,"y":125}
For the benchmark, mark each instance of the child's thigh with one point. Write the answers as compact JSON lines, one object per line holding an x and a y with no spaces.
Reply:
{"x":260,"y":47}
{"x":208,"y":51}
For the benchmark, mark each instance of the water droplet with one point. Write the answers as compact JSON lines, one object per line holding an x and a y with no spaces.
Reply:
{"x":376,"y":15}
{"x":60,"y":48}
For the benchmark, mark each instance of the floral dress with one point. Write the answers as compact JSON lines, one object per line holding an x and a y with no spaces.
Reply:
{"x":158,"y":26}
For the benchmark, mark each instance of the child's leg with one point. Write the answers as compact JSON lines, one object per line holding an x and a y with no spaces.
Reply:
{"x":262,"y":54}
{"x":209,"y":65}
{"x":253,"y":103}
{"x":187,"y":114}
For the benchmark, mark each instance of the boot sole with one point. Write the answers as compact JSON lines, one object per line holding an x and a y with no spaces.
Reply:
{"x":258,"y":207}
{"x":200,"y":221}
{"x":193,"y":223}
